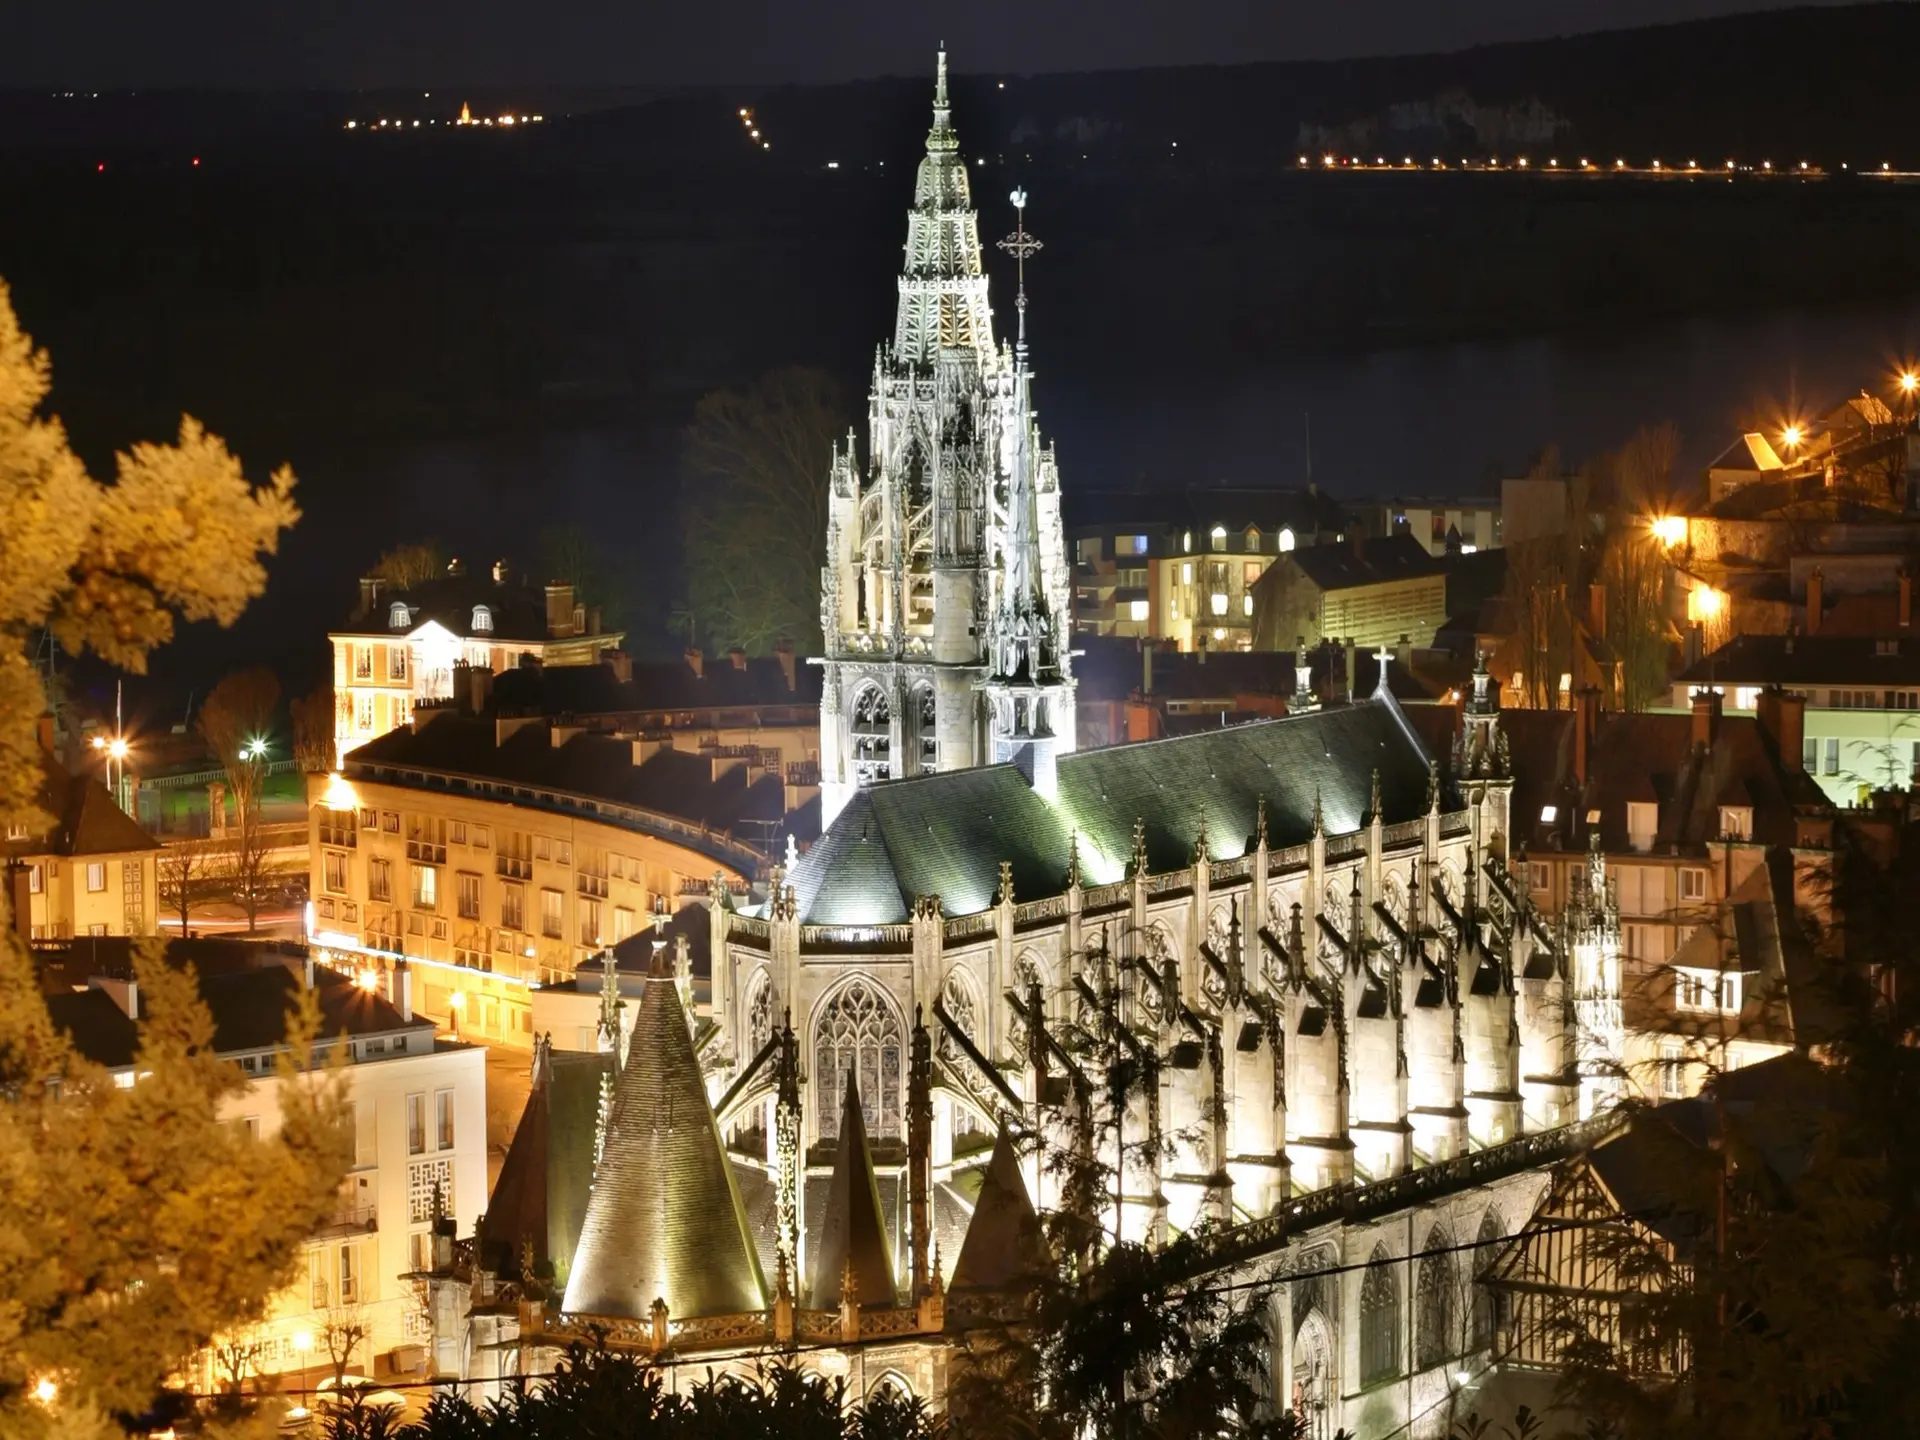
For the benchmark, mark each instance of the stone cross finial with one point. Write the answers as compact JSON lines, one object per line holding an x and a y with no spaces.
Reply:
{"x":1260,"y":824}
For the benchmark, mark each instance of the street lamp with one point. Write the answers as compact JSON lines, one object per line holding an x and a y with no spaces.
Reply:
{"x":1791,"y":435}
{"x":255,"y":749}
{"x":302,"y":1346}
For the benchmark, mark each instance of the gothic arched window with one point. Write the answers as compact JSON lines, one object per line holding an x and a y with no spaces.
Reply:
{"x":1026,"y":971}
{"x":956,"y":998}
{"x":1314,"y":1391}
{"x":1491,"y":1229}
{"x":759,"y":1012}
{"x":858,"y":1031}
{"x":1438,"y":1297}
{"x":872,"y":735}
{"x":1379,"y":1320}
{"x":921,"y":714}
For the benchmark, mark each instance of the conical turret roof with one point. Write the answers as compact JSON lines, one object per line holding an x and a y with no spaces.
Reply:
{"x":852,"y":1228}
{"x":1004,"y":1242}
{"x":517,"y":1210}
{"x":665,"y":1219}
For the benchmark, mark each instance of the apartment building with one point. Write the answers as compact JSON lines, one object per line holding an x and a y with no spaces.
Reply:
{"x":1713,"y":846}
{"x":1180,"y":566}
{"x":1861,"y":695}
{"x":1373,"y":592}
{"x":419,"y":1113}
{"x":399,"y":647}
{"x":497,"y":854}
{"x":1443,"y":525}
{"x":93,"y":872}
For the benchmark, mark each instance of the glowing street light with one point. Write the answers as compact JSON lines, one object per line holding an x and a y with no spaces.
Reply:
{"x":1791,"y":435}
{"x":1909,"y":382}
{"x":45,"y":1391}
{"x":1669,"y":530}
{"x":255,"y":749}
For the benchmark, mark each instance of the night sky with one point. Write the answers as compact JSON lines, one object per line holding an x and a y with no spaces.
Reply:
{"x":376,"y":43}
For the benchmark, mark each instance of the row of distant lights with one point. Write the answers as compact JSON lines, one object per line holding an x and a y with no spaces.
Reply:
{"x":465,"y":119}
{"x":1380,"y":162}
{"x":752,"y":127}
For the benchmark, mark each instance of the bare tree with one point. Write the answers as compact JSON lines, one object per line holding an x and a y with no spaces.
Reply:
{"x":345,"y":1331}
{"x":186,"y":877}
{"x":234,"y":721}
{"x":236,"y":1355}
{"x":313,"y":731}
{"x":1632,"y":566}
{"x":236,"y":870}
{"x":405,"y":566}
{"x":1540,"y":574}
{"x":755,"y":507}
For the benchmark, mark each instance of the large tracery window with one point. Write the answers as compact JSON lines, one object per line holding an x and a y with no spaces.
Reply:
{"x":1379,"y":1320}
{"x":1439,"y":1308}
{"x":1483,"y":1255}
{"x":759,"y":1012}
{"x":957,"y":1000}
{"x":858,"y":1031}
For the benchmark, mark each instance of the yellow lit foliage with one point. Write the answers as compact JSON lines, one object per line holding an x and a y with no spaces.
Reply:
{"x":134,"y":1224}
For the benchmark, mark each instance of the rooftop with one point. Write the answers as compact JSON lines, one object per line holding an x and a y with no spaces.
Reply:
{"x":946,"y":834}
{"x":1348,"y":564}
{"x":1863,"y":660}
{"x":86,"y":821}
{"x":515,"y":609}
{"x":723,"y":807}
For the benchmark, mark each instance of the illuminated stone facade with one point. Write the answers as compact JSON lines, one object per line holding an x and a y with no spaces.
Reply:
{"x":944,"y":599}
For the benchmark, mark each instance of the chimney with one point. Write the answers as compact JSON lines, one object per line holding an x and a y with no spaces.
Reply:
{"x":1403,"y":655}
{"x":1146,"y":667}
{"x":369,"y":593}
{"x":621,"y":664}
{"x":1585,"y":704}
{"x":1815,"y":585}
{"x":559,"y":608}
{"x":402,"y":984}
{"x":19,"y":890}
{"x":1906,"y":598}
{"x":500,"y":572}
{"x":1783,"y":720}
{"x":455,"y":569}
{"x":696,"y":662}
{"x":1706,"y":716}
{"x":783,"y":652}
{"x":738,"y":657}
{"x":1597,"y":610}
{"x":479,"y":688}
{"x":1348,"y":672}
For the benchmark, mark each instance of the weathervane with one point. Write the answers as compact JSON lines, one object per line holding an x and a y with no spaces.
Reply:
{"x":1020,"y":245}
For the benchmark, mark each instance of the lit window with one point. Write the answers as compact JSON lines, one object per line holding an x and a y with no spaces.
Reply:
{"x":1736,"y":822}
{"x":426,"y":886}
{"x":1549,"y":814}
{"x":482,"y":620}
{"x":1253,"y":539}
{"x":36,"y":879}
{"x":1643,"y":819}
{"x":550,"y":923}
{"x":1673,"y":1070}
{"x":363,"y":662}
{"x":1137,"y":610}
{"x":1746,"y":697}
{"x":1537,"y":876}
{"x":363,"y":714}
{"x":1707,"y":990}
{"x":336,"y":872}
{"x":1693,"y":885}
{"x":96,"y":876}
{"x":417,"y":1124}
{"x":1832,"y":767}
{"x":1130,"y":545}
{"x":1186,"y":541}
{"x":1219,"y":537}
{"x":1219,"y":603}
{"x":396,"y":662}
{"x":469,"y":896}
{"x":1286,"y":541}
{"x":443,"y":1116}
{"x":1186,"y":572}
{"x":513,"y":908}
{"x":380,"y":880}
{"x":1246,"y":604}
{"x":398,"y":615}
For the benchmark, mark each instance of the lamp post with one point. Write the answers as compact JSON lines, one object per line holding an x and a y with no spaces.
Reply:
{"x":302,"y":1346}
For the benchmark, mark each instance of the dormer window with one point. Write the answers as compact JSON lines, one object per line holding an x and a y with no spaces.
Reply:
{"x":398,"y":616}
{"x":1286,"y":540}
{"x":482,"y":620}
{"x":1736,"y":822}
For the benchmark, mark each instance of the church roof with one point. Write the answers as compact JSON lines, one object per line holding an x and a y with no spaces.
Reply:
{"x":517,"y":1209}
{"x":946,"y":834}
{"x":852,"y":1228}
{"x":1004,"y":1242}
{"x":664,"y":1219}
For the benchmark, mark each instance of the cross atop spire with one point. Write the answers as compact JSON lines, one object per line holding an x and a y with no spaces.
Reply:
{"x":941,"y":137}
{"x":1020,"y":245}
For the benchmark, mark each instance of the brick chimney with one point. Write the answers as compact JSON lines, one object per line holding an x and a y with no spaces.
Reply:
{"x":1597,"y":610}
{"x":1586,"y":706}
{"x":697,"y":663}
{"x":1706,"y":717}
{"x":560,"y":615}
{"x":738,"y":657}
{"x":783,"y":652}
{"x":1816,"y":584}
{"x":1783,"y":720}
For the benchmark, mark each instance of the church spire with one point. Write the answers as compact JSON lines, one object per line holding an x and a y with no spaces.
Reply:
{"x":941,"y":137}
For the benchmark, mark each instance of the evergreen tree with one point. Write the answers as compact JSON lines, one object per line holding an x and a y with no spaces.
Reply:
{"x":135,"y":1225}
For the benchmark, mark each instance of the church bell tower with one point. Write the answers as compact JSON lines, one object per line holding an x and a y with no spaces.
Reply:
{"x":944,"y":598}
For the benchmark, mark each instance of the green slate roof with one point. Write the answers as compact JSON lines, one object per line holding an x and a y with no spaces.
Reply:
{"x":664,"y":1219}
{"x":853,"y":1229}
{"x":946,"y":834}
{"x":1004,"y":1244}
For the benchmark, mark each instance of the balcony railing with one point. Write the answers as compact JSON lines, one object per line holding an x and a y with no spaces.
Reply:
{"x":515,"y":867}
{"x":426,"y":852}
{"x":593,"y":885}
